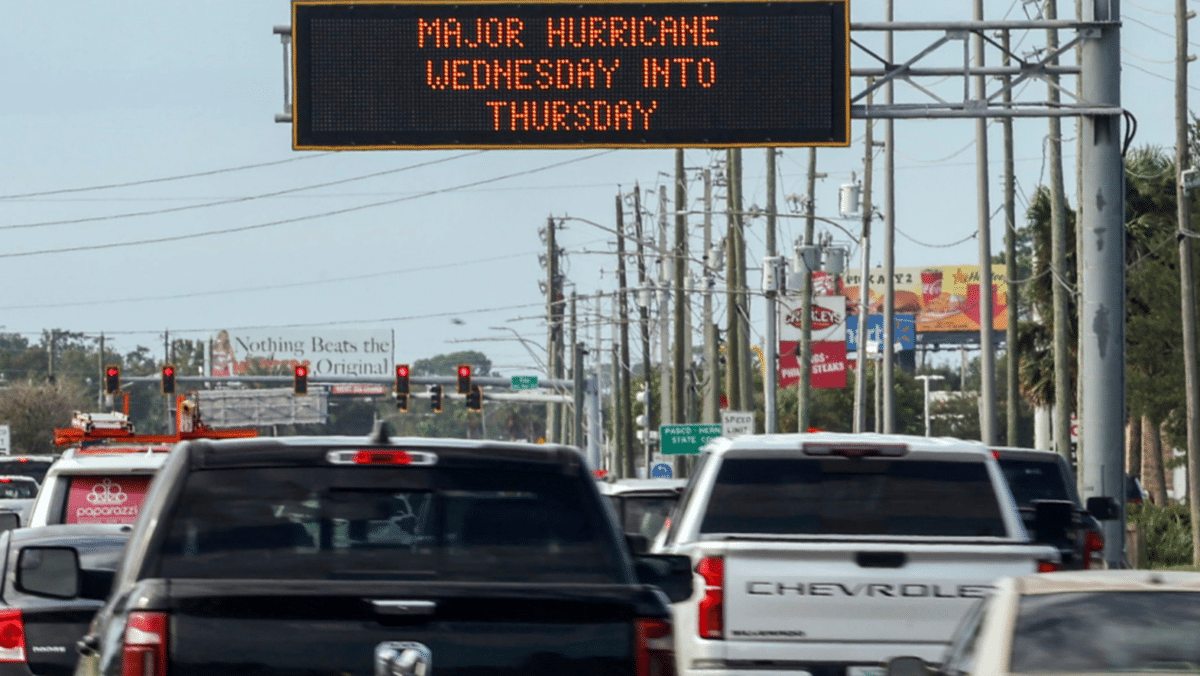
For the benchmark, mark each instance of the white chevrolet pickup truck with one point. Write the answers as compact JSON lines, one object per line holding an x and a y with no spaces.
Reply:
{"x":826,"y":554}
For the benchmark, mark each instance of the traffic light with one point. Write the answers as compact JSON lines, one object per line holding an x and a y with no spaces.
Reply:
{"x":168,"y":379}
{"x":464,"y":378}
{"x":401,"y":379}
{"x":475,"y":399}
{"x":112,"y":379}
{"x":300,"y":380}
{"x":402,"y":403}
{"x":435,"y":398}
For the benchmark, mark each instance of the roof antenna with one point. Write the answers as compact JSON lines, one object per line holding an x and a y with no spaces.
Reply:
{"x":382,"y":432}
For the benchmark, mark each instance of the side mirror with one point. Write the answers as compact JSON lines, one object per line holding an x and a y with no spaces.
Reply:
{"x":9,"y":521}
{"x":907,"y":666}
{"x":1103,"y":508}
{"x":49,"y":571}
{"x":1052,"y":519}
{"x":672,"y":573}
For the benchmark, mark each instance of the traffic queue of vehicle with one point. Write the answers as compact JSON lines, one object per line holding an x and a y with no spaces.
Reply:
{"x":805,"y":554}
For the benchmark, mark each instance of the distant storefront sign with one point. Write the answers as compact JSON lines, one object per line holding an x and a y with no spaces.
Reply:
{"x":828,"y":364}
{"x":903,"y":333}
{"x":828,"y":318}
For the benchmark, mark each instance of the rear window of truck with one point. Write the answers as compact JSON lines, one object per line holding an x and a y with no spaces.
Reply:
{"x":105,"y":499}
{"x":388,"y":523}
{"x":801,"y":496}
{"x":1032,"y":480}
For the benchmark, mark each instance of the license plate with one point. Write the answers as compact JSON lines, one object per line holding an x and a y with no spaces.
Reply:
{"x":865,"y":671}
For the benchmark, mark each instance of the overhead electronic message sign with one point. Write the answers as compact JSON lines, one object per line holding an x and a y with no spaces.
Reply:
{"x":373,"y":75}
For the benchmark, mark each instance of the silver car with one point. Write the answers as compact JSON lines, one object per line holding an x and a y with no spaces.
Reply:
{"x":17,"y":494}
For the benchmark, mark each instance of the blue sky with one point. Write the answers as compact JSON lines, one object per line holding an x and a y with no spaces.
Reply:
{"x":138,"y":91}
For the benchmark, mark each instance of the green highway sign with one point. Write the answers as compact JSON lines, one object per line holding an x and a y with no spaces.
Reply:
{"x":683,"y":439}
{"x":524,"y":382}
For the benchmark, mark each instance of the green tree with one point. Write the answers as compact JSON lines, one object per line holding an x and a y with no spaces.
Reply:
{"x":34,"y":409}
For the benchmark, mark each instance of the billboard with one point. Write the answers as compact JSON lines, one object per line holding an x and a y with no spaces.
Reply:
{"x":548,"y":74}
{"x":326,"y":352}
{"x":943,"y":298}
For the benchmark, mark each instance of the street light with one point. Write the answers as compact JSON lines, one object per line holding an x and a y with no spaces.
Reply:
{"x":927,"y":379}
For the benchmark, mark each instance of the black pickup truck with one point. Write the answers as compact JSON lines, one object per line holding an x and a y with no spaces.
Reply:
{"x":381,"y":557}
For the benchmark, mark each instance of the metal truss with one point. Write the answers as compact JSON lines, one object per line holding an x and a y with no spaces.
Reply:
{"x":1023,"y":70}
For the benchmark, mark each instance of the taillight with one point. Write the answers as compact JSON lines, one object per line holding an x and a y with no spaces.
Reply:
{"x":12,"y":636}
{"x":1047,"y":566}
{"x":145,"y":644}
{"x":655,"y":653}
{"x":711,"y":620}
{"x":1092,"y":542}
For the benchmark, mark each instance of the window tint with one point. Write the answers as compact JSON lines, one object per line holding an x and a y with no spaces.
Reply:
{"x":646,"y":515}
{"x":1032,"y":480}
{"x":105,"y":499}
{"x":853,"y":497}
{"x":1106,"y":632}
{"x":25,"y":467}
{"x":17,"y":490}
{"x":387,"y":523}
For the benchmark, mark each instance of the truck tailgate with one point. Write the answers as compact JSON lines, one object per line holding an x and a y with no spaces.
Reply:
{"x":236,"y":627}
{"x":874,"y":592}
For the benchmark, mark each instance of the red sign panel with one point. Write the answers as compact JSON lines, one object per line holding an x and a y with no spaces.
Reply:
{"x":828,"y":364}
{"x":105,"y":499}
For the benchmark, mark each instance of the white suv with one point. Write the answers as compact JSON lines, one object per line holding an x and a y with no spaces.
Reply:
{"x":100,"y":484}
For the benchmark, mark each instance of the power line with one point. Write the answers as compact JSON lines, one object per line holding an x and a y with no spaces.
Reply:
{"x":269,"y":287}
{"x":236,"y":200}
{"x":298,"y":219}
{"x":164,"y":179}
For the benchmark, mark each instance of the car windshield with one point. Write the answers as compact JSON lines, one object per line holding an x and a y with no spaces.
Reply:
{"x":853,"y":497}
{"x":1107,"y":632}
{"x":1032,"y":480}
{"x":17,"y":490}
{"x":387,"y":523}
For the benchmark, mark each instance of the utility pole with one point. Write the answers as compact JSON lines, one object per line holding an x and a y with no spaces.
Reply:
{"x":50,"y":356}
{"x":987,"y":357}
{"x":804,"y":394}
{"x":1058,"y":265}
{"x":624,"y":436}
{"x":678,"y":414}
{"x":887,"y":410}
{"x":864,"y":294}
{"x":644,"y":307}
{"x":745,"y":374}
{"x":100,"y":376}
{"x":665,"y":378}
{"x":712,"y":384}
{"x":771,"y":349}
{"x":554,"y":317}
{"x":1012,"y":385}
{"x":1187,"y":282}
{"x":733,"y":366}
{"x":569,"y":433}
{"x":1101,"y":311}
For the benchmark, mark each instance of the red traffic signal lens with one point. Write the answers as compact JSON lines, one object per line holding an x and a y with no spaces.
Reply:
{"x":113,"y":371}
{"x":464,"y":371}
{"x":168,"y":371}
{"x":301,"y":371}
{"x":402,"y":371}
